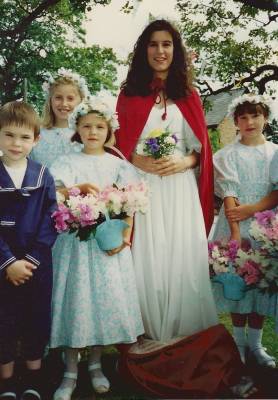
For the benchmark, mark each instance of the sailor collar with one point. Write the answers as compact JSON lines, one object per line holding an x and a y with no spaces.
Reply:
{"x":32,"y":179}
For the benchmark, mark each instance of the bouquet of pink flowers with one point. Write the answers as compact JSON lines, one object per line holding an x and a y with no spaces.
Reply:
{"x":264,"y":229}
{"x":221,"y":254}
{"x":249,"y":263}
{"x":159,"y":143}
{"x":257,"y":267}
{"x":81,"y":214}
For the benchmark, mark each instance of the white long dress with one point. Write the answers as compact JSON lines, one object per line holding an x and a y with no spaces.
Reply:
{"x":170,"y":246}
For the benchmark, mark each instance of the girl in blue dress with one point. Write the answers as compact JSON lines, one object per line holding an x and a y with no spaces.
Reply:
{"x":245,"y":180}
{"x":63,"y":92}
{"x":94,"y":295}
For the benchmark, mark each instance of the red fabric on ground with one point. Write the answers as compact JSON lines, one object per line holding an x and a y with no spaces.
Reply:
{"x":201,"y":365}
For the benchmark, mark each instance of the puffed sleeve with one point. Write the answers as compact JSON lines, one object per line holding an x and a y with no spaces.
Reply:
{"x":127,"y":173}
{"x":226,"y":179}
{"x":274,"y":170}
{"x":63,"y":172}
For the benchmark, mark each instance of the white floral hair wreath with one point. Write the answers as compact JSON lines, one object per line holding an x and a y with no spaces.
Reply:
{"x":253,"y":99}
{"x":65,"y":73}
{"x":94,"y":104}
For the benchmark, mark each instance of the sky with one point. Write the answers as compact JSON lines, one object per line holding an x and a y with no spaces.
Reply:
{"x":110,"y":27}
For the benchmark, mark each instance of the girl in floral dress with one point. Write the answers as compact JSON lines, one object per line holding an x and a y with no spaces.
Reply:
{"x":246,"y":182}
{"x":63,"y":92}
{"x":94,"y":295}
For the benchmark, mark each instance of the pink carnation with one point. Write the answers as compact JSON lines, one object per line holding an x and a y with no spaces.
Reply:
{"x":264,"y":217}
{"x":250,"y":271}
{"x":62,"y":217}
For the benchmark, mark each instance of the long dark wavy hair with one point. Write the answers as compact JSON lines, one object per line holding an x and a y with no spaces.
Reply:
{"x":140,"y":74}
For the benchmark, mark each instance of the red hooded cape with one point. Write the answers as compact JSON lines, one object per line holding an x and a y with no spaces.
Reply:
{"x":133,"y":112}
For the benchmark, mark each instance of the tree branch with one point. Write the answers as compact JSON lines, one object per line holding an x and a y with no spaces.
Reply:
{"x":26,"y":21}
{"x":251,"y":78}
{"x":271,"y":5}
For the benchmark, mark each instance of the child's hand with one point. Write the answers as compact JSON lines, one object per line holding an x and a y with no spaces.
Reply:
{"x":126,"y":242}
{"x":88,"y":188}
{"x":239,"y":213}
{"x":19,"y":272}
{"x":236,"y":236}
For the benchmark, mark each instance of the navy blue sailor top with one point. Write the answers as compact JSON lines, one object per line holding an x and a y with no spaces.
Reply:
{"x":26,"y":228}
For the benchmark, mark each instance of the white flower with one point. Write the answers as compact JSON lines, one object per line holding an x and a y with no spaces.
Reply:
{"x":65,"y":73}
{"x":94,"y":104}
{"x":170,"y":140}
{"x":253,"y":99}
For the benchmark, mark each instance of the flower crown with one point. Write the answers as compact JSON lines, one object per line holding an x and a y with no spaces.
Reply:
{"x":94,"y":104}
{"x":65,"y":73}
{"x":249,"y":98}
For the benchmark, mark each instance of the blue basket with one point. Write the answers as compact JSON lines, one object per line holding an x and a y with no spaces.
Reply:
{"x":234,"y":287}
{"x":109,"y":234}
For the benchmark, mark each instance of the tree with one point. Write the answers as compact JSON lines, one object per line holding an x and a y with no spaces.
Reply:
{"x":235,"y":43}
{"x":271,"y":5}
{"x":42,"y":35}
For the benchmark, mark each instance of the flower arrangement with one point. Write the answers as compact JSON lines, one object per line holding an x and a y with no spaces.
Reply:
{"x":221,"y":255}
{"x":250,"y":98}
{"x":248,"y":265}
{"x":65,"y":73}
{"x":159,"y":143}
{"x":94,"y":104}
{"x":257,"y":267}
{"x":264,"y":229}
{"x":81,"y":214}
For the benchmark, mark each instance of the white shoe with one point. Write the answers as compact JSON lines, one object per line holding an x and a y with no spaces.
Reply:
{"x":100,"y":383}
{"x":263,"y":358}
{"x":65,"y":393}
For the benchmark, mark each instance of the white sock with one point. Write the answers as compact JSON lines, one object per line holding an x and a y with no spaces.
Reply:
{"x":254,"y":338}
{"x":71,"y":361}
{"x":95,"y":357}
{"x":240,"y":340}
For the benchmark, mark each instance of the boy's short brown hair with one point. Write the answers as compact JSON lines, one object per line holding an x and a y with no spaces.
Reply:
{"x":21,"y":114}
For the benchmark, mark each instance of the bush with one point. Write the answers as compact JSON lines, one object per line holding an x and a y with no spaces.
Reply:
{"x":214,"y":137}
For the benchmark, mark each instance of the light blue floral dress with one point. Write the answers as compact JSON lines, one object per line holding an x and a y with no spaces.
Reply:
{"x":247,"y":173}
{"x":53,"y":143}
{"x":94,"y":295}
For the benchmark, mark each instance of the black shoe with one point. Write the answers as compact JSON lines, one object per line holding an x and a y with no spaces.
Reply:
{"x":30,"y":394}
{"x":8,"y":396}
{"x":8,"y":391}
{"x":31,"y":389}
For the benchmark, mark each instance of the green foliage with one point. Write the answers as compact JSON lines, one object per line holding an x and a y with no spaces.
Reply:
{"x":38,"y":36}
{"x":271,"y":131}
{"x":236,"y":41}
{"x":214,"y":137}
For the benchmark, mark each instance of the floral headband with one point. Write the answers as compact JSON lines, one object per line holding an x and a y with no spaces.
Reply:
{"x":65,"y":73}
{"x":97,"y":105}
{"x":249,"y":98}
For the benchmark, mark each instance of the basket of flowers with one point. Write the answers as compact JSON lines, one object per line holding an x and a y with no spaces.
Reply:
{"x":100,"y":217}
